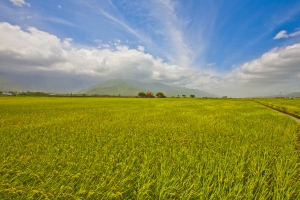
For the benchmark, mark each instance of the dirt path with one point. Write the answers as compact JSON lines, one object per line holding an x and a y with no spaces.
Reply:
{"x":298,"y":120}
{"x":295,"y":118}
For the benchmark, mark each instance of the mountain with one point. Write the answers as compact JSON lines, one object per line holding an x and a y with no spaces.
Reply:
{"x":9,"y":85}
{"x":127,"y":87}
{"x":113,"y":87}
{"x":293,"y":94}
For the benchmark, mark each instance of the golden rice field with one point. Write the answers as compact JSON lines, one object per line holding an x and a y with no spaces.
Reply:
{"x":290,"y":106}
{"x":174,"y":148}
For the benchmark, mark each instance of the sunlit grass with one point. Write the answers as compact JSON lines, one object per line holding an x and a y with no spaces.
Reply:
{"x":70,"y":148}
{"x":289,"y":106}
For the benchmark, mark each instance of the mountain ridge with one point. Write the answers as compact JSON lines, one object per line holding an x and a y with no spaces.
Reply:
{"x":9,"y":85}
{"x":292,"y":94}
{"x":126,"y":87}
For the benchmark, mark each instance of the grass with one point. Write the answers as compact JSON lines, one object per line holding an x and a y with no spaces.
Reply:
{"x":289,"y":106}
{"x":91,"y":148}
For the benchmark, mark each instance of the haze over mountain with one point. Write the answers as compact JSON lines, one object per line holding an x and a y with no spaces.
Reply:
{"x":127,"y":87}
{"x":237,"y":48}
{"x":293,"y":94}
{"x":9,"y":85}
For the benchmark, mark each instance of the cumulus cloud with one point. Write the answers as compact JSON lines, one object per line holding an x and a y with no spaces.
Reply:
{"x":141,"y":48}
{"x":283,"y":34}
{"x":278,"y":66}
{"x":20,"y":3}
{"x":32,"y":49}
{"x":276,"y":70}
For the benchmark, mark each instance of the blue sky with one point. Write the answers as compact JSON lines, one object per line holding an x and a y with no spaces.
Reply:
{"x":225,"y":47}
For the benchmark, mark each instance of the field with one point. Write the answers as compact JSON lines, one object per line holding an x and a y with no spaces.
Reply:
{"x":290,"y":106}
{"x":174,"y":148}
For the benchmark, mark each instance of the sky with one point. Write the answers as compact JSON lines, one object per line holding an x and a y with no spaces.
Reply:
{"x":234,"y":48}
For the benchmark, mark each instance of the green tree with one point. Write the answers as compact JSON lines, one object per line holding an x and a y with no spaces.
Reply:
{"x":160,"y":95}
{"x":142,"y":94}
{"x":192,"y":96}
{"x":183,"y":95}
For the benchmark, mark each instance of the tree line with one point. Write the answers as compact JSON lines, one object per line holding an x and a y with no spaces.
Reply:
{"x":158,"y":95}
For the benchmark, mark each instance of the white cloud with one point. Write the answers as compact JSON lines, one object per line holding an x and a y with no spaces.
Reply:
{"x":163,"y":20}
{"x":211,"y":64}
{"x":67,"y":43}
{"x":59,"y":6}
{"x":171,"y":27}
{"x":123,"y":24}
{"x":38,"y":51}
{"x":60,"y":21}
{"x":283,"y":34}
{"x":280,"y":67}
{"x":20,"y":3}
{"x":294,"y":34}
{"x":34,"y":47}
{"x":35,"y":50}
{"x":141,"y":48}
{"x":105,"y":46}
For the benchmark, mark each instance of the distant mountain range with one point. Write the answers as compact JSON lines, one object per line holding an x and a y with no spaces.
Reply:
{"x":293,"y":94}
{"x":123,"y":87}
{"x":126,"y":87}
{"x":9,"y":85}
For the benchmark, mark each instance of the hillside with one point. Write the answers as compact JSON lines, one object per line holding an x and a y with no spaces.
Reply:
{"x":126,"y":87}
{"x":114,"y":87}
{"x":293,"y":94}
{"x":9,"y":85}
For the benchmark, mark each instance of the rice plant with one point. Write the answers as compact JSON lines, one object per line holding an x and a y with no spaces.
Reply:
{"x":97,"y":148}
{"x":289,"y":106}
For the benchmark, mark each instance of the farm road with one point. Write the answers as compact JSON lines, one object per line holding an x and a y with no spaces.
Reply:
{"x":295,"y":118}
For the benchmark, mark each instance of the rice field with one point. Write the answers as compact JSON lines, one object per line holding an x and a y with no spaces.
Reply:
{"x":174,"y":148}
{"x":289,"y":106}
